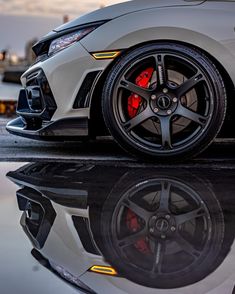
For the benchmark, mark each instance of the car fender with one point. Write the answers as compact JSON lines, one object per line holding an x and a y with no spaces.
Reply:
{"x":208,"y":28}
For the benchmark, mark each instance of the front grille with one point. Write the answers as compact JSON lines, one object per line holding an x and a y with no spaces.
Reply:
{"x":38,"y":216}
{"x":36,"y":101}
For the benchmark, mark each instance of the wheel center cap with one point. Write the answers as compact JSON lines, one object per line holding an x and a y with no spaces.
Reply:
{"x":164,"y":102}
{"x":162,"y":225}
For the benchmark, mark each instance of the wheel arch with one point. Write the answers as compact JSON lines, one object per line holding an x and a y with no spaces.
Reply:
{"x":97,"y":122}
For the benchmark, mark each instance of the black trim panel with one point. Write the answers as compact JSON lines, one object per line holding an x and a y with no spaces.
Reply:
{"x":81,"y":225}
{"x":83,"y":95}
{"x":61,"y":130}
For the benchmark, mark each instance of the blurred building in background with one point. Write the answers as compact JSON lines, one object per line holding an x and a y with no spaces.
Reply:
{"x":3,"y":55}
{"x":65,"y":18}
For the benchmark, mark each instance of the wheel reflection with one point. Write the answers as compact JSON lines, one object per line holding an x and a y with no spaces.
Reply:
{"x":162,"y":228}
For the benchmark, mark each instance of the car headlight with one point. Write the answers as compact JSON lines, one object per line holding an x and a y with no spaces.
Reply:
{"x":68,"y":40}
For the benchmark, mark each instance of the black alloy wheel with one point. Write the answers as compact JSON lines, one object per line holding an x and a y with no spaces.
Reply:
{"x":159,"y":228}
{"x":164,"y":101}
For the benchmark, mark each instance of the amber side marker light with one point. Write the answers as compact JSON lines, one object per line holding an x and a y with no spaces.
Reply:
{"x":8,"y":107}
{"x":106,"y":55}
{"x":104,"y":270}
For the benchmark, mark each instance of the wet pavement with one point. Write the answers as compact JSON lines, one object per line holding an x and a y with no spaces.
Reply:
{"x":100,"y":151}
{"x":86,"y":228}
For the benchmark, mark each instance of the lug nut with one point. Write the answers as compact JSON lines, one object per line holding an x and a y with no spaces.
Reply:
{"x":169,"y":111}
{"x":156,"y":110}
{"x":175,"y":100}
{"x":153,"y":97}
{"x":173,"y":229}
{"x":165,"y":90}
{"x":167,"y":216}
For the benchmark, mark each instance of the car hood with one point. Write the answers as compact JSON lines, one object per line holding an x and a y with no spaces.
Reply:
{"x":105,"y":14}
{"x":114,"y":11}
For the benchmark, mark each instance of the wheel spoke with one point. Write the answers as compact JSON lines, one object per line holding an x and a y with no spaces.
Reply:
{"x":189,"y":84}
{"x":138,"y":119}
{"x":165,"y":123}
{"x":131,"y":239}
{"x":142,"y":92}
{"x":161,"y":69}
{"x":191,"y":115}
{"x":189,"y":216}
{"x":165,"y":196}
{"x":138,"y":210}
{"x":186,"y":246}
{"x":159,"y":252}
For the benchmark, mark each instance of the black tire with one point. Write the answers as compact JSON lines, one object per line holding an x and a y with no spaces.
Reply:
{"x":200,"y":102}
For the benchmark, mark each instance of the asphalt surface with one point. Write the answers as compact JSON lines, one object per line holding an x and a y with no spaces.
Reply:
{"x":14,"y":148}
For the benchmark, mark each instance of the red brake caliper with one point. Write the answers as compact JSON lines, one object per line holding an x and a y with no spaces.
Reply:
{"x":134,"y":101}
{"x":134,"y":226}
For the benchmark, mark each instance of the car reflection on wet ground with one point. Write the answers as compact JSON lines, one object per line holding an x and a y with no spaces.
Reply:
{"x":97,"y":229}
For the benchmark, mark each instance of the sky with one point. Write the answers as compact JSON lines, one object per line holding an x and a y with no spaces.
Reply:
{"x":22,"y":20}
{"x":51,"y":7}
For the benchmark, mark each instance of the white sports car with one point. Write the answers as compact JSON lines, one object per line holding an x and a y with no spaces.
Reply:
{"x":159,"y":75}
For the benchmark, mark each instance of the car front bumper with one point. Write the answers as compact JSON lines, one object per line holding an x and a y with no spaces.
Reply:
{"x":67,"y":129}
{"x":51,"y":90}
